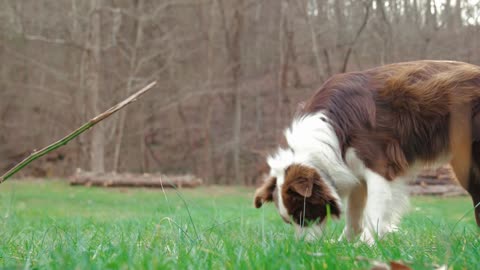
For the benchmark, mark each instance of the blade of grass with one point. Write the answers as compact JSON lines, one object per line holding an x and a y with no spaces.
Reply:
{"x":464,"y":215}
{"x":62,"y":142}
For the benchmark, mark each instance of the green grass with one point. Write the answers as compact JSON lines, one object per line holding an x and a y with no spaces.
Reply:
{"x":50,"y":225}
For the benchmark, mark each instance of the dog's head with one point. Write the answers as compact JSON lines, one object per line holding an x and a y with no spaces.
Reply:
{"x":300,"y":194}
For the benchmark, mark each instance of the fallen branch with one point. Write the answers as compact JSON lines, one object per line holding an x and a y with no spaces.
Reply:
{"x":37,"y":154}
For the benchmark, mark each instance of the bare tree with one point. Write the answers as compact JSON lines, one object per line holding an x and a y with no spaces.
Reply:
{"x":92,"y":65}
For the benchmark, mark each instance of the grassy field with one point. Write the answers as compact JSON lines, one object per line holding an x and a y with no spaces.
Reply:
{"x":50,"y":225}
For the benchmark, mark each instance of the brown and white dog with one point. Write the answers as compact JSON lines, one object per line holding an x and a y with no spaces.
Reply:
{"x":363,"y":135}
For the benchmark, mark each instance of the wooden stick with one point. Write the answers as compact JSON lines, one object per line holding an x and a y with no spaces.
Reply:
{"x":37,"y":154}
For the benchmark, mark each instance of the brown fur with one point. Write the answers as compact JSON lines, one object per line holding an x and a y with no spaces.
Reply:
{"x":306,"y":196}
{"x":461,"y":142}
{"x":474,"y":179}
{"x":355,"y":206}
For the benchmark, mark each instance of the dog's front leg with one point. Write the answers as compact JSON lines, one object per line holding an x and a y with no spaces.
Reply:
{"x":379,"y":199}
{"x":354,"y":224}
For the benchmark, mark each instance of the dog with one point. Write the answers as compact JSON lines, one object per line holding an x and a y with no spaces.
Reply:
{"x":354,"y":145}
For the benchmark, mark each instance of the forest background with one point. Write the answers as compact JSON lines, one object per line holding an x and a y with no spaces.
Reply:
{"x":230,"y":74}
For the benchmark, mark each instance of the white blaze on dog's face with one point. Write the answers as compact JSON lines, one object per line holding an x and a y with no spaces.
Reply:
{"x":300,"y":195}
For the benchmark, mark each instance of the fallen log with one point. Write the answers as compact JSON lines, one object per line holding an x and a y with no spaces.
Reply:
{"x":437,"y":190}
{"x":420,"y":180}
{"x":135,"y":180}
{"x":436,"y":182}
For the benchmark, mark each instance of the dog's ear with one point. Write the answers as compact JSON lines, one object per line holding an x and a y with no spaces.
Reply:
{"x":303,"y":186}
{"x":265,"y":193}
{"x":300,"y":179}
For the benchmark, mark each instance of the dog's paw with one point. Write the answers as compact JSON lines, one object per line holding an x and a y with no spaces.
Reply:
{"x":367,"y":237}
{"x":347,"y":235}
{"x":392,"y":229}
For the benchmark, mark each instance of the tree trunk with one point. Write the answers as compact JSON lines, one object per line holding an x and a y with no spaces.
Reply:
{"x":210,"y":172}
{"x":131,"y":76}
{"x":93,"y":75}
{"x":237,"y":121}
